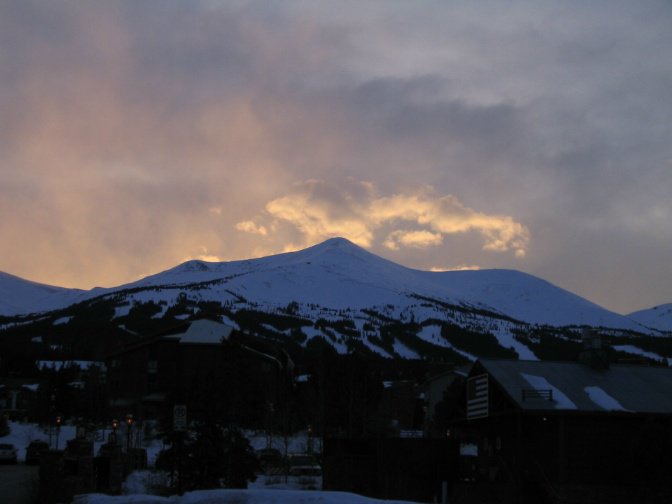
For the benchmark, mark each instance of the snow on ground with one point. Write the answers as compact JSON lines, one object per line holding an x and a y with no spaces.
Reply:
{"x":541,"y":383}
{"x":507,"y":340}
{"x":432,"y":334}
{"x":403,"y":351}
{"x":122,"y":310}
{"x":265,"y":490}
{"x":375,"y":348}
{"x":226,"y":320}
{"x":296,"y":443}
{"x":337,"y":275}
{"x":21,"y":434}
{"x":58,"y":364}
{"x":644,"y":353}
{"x":253,"y":496}
{"x":658,"y":317}
{"x":312,"y":332}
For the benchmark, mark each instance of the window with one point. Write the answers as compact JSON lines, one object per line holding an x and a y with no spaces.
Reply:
{"x":152,"y":366}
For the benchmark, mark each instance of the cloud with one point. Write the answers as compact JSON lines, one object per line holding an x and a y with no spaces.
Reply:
{"x":416,"y":239}
{"x":204,"y":255}
{"x":459,"y":267}
{"x":446,"y":215}
{"x":252,"y":228}
{"x":318,"y":210}
{"x":315,"y":220}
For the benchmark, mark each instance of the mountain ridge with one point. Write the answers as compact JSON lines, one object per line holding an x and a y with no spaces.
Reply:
{"x":337,"y":274}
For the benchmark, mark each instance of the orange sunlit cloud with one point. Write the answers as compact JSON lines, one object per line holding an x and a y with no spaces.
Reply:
{"x":319,"y":211}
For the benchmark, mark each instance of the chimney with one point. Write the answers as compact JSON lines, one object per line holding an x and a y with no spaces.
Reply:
{"x":593,"y":354}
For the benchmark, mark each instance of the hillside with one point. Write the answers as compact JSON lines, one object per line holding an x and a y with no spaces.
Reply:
{"x":658,"y":317}
{"x":19,"y":296}
{"x":340,"y":293}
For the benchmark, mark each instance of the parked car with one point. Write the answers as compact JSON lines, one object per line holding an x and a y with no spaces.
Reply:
{"x":270,"y":460}
{"x":7,"y":453}
{"x":304,"y":465}
{"x":34,"y":450}
{"x":305,"y":471}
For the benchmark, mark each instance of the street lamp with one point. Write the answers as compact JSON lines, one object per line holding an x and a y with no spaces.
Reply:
{"x":129,"y":426}
{"x":113,"y":434}
{"x":59,"y":420}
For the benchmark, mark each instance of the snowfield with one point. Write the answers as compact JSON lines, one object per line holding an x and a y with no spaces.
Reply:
{"x":338,"y":275}
{"x":658,"y":317}
{"x":239,"y":497}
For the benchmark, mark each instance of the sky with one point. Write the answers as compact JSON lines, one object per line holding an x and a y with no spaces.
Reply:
{"x":529,"y":135}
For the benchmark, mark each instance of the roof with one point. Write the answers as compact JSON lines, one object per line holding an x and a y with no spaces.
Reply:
{"x":206,"y":331}
{"x":576,"y":386}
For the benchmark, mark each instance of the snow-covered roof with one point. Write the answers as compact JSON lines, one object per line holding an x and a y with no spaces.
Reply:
{"x":206,"y":331}
{"x":576,"y":386}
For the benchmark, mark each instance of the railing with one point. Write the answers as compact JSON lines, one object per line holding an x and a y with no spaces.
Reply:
{"x":543,"y":394}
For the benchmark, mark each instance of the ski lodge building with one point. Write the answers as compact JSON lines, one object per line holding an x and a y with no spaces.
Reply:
{"x":550,"y":430}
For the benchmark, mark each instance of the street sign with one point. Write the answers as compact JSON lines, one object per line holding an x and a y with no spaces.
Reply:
{"x":180,"y":417}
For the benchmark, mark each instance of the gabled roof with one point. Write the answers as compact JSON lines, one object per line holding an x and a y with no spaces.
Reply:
{"x":199,"y":331}
{"x":206,"y":332}
{"x":576,"y":386}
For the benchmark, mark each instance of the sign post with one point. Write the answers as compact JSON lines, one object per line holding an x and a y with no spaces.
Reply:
{"x":179,"y":427}
{"x":180,"y":418}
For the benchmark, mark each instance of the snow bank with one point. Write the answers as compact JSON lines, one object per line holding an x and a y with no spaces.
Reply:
{"x":631,"y":349}
{"x":21,"y":434}
{"x":239,"y":497}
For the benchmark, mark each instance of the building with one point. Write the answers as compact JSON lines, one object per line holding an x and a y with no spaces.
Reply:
{"x":17,"y":397}
{"x":550,"y":431}
{"x":219,"y":373}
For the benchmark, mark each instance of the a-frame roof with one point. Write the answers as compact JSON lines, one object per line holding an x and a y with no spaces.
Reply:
{"x":579,"y":387}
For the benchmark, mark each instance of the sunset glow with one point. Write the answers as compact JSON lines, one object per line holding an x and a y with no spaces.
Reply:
{"x":536,"y":137}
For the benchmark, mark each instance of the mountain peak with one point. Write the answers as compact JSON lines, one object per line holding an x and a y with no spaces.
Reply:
{"x":337,"y":242}
{"x":192,"y":265}
{"x":338,"y":250}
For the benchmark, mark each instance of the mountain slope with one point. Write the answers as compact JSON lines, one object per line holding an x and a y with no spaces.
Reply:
{"x":340,"y":294}
{"x":658,"y":317}
{"x":337,"y":275}
{"x":18,"y":296}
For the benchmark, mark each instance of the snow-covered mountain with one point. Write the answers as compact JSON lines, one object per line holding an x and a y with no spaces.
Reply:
{"x":347,"y":296}
{"x":337,"y":274}
{"x":18,"y":296}
{"x":658,"y":317}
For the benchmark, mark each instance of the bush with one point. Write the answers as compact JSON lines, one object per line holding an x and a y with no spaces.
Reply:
{"x":216,"y":457}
